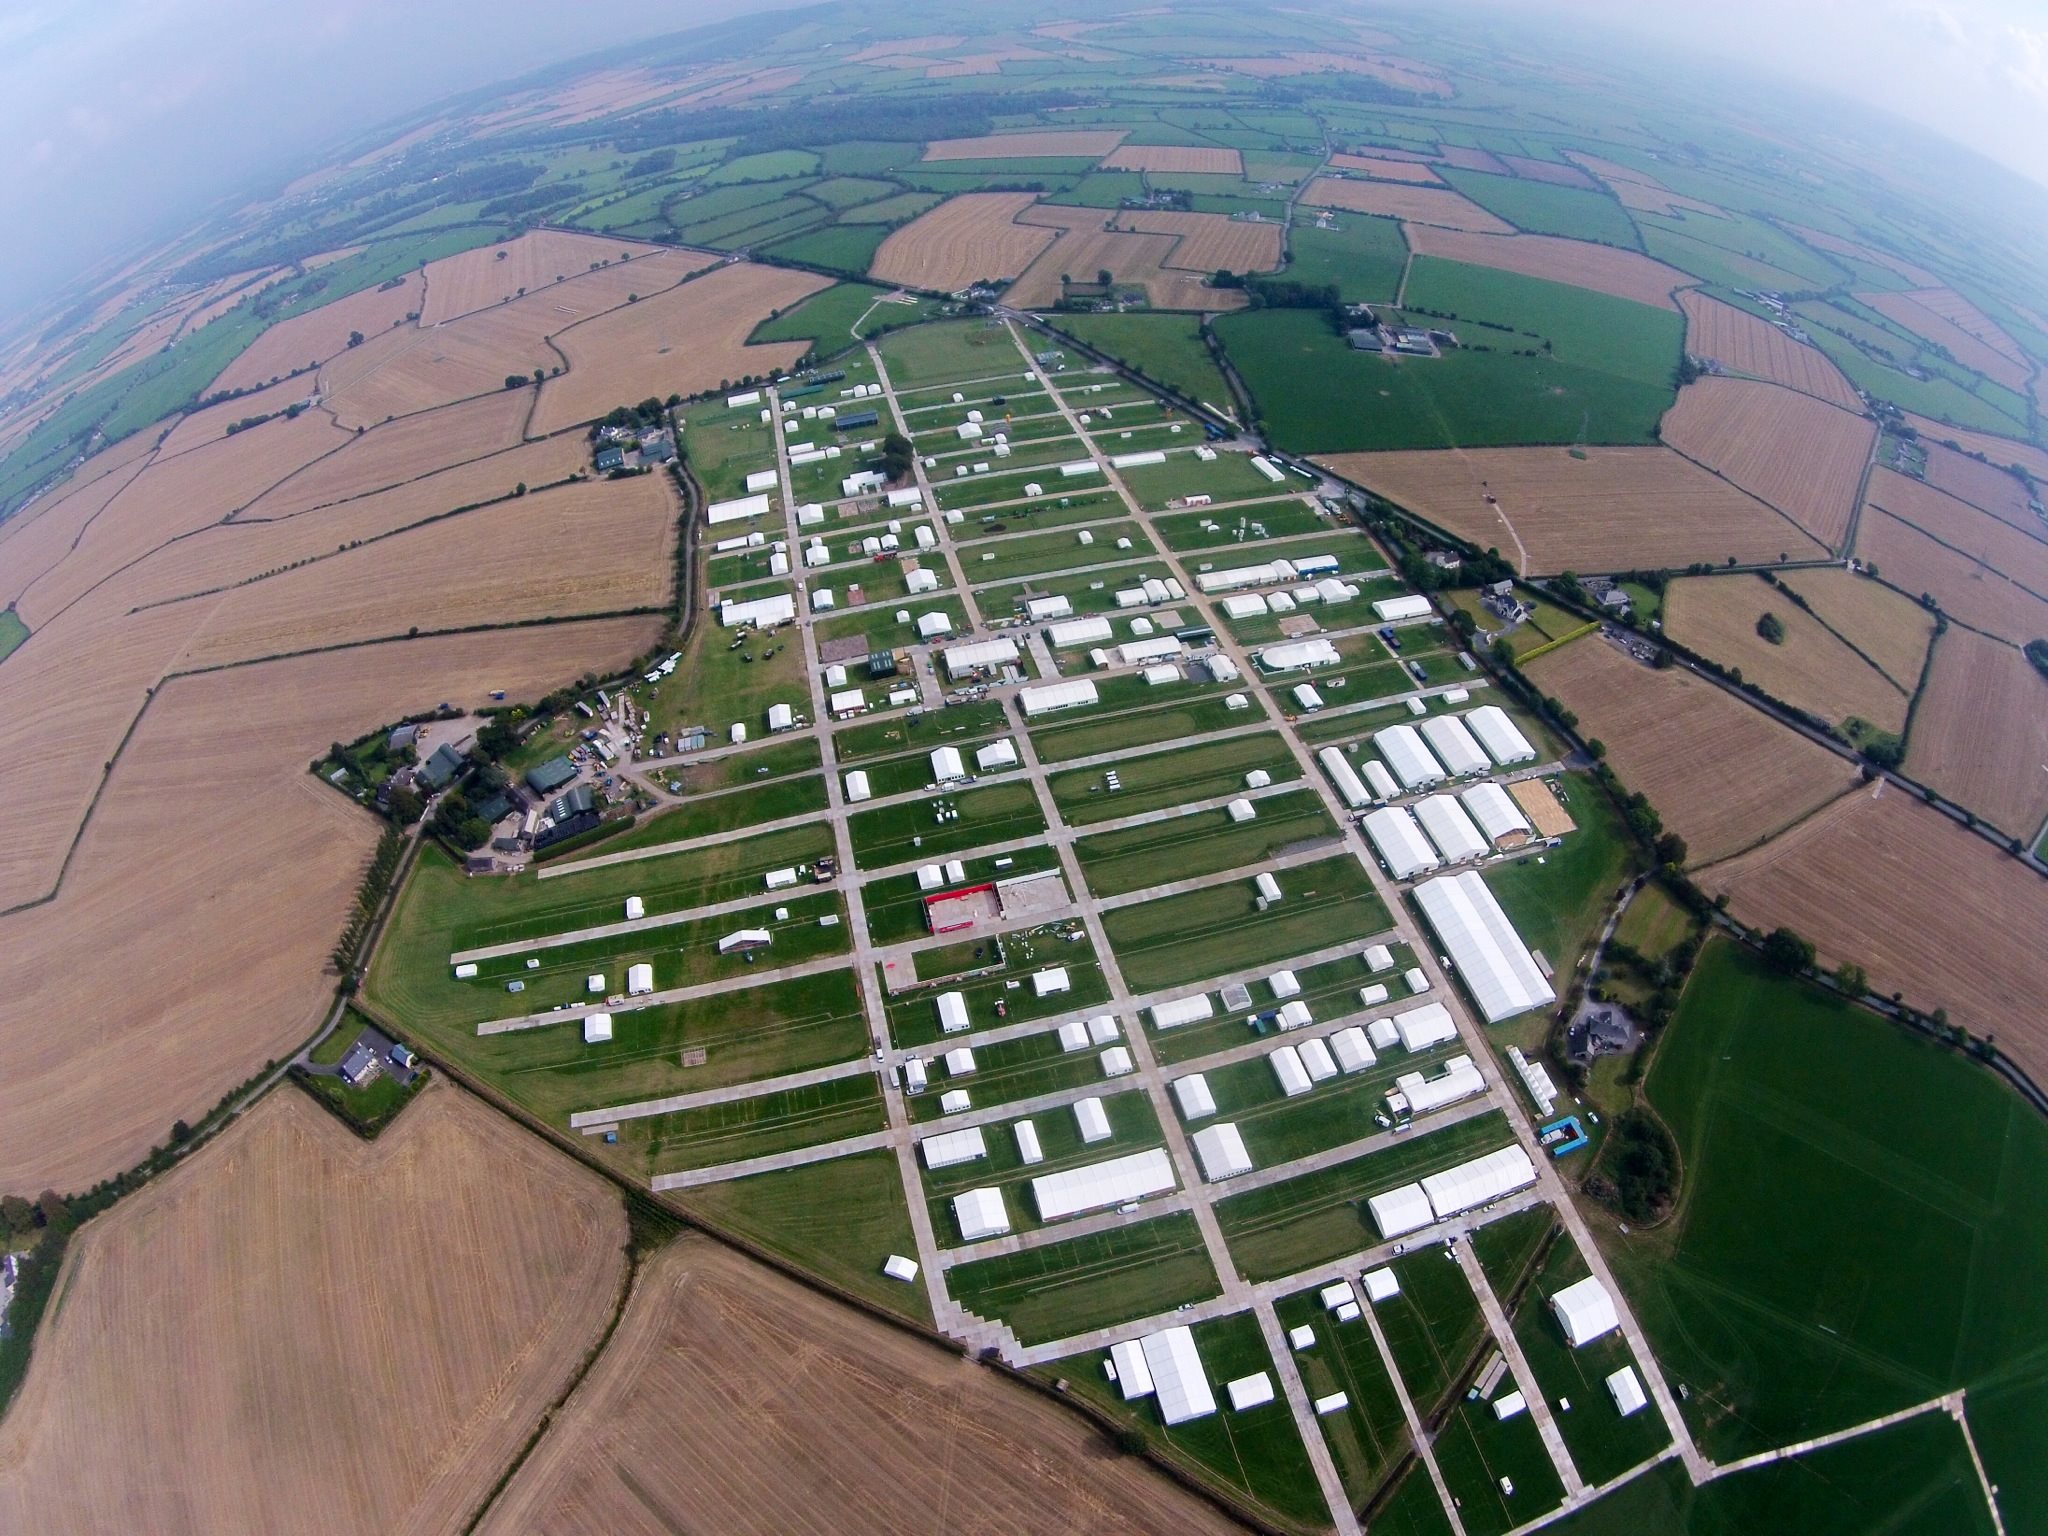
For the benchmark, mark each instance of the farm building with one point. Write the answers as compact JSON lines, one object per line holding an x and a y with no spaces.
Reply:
{"x":1503,"y":741}
{"x":1222,"y":1153}
{"x":1496,"y":965}
{"x":1454,"y":746}
{"x":761,"y":612}
{"x":1391,"y":610}
{"x":1444,"y":819}
{"x":1585,"y":1312}
{"x":1298,"y":655}
{"x":1080,"y":632}
{"x":980,"y":1213}
{"x":1420,"y":1028}
{"x":966,"y":660}
{"x":1028,"y":1149}
{"x":1048,"y":697}
{"x":1195,"y":1099}
{"x":1182,"y":1010}
{"x":597,"y":1027}
{"x":1098,"y":1186}
{"x":550,"y":775}
{"x":1408,"y":757}
{"x":1399,"y":842}
{"x":1355,"y":794}
{"x":1495,"y":812}
{"x":1091,"y":1120}
{"x":949,"y":1148}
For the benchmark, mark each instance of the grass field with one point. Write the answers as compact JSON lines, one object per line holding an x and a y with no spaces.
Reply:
{"x":1558,"y":905}
{"x":757,"y":1126}
{"x":950,"y":353}
{"x":1240,"y":526}
{"x":1835,"y":1257}
{"x":896,"y":834}
{"x":832,"y":319}
{"x":1084,"y":1283}
{"x":1363,"y":256}
{"x":1087,"y":734}
{"x":1163,"y":779}
{"x":1166,"y":348}
{"x":1370,"y":1434}
{"x":1540,"y":208}
{"x":12,"y":632}
{"x":1205,"y":843}
{"x":1217,"y":930}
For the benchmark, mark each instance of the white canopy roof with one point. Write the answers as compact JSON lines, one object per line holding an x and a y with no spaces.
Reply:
{"x":1407,"y":756}
{"x":1496,"y":965}
{"x":963,"y":659}
{"x":1182,"y":1010}
{"x":1351,"y":1049}
{"x":1051,"y":696}
{"x":1288,"y":1068}
{"x":1399,"y":841}
{"x":952,"y":1012}
{"x":1090,"y":1117}
{"x":1098,"y":1185}
{"x":1453,"y":745}
{"x":1133,"y":1375}
{"x":1249,"y":1391}
{"x":1476,"y":1182}
{"x":1585,"y":1311}
{"x":949,"y":1147}
{"x":1627,"y":1390}
{"x":1195,"y":1098}
{"x":1177,"y":1378}
{"x":980,"y":1214}
{"x":1221,"y":1150}
{"x":1495,"y":811}
{"x":1499,"y":735}
{"x":1341,"y":773}
{"x":1028,"y":1149}
{"x":1444,"y":819}
{"x":1400,"y":1211}
{"x":1458,"y":1080}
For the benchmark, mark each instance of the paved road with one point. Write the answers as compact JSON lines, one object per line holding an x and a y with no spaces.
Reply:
{"x":1539,"y":1406}
{"x":594,"y":1120}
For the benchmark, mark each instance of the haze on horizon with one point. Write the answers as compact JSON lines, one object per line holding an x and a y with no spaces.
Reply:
{"x":128,"y":119}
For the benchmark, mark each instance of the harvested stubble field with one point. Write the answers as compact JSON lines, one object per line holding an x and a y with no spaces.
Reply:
{"x":1980,"y":735}
{"x":36,"y":538}
{"x":1603,"y":268}
{"x":1079,"y":143}
{"x":1742,"y":343}
{"x":1995,"y":450}
{"x":1722,"y":774}
{"x":1962,"y":527}
{"x":1989,"y":489}
{"x":1615,"y":509}
{"x":965,"y":238}
{"x":1435,"y":206}
{"x":211,"y":424}
{"x":1953,"y":323}
{"x":398,"y":451}
{"x":494,"y":274}
{"x":1210,"y":242}
{"x":1555,"y":172}
{"x":802,"y":1415}
{"x":1890,"y":629}
{"x":1811,"y":669}
{"x":1084,"y":246}
{"x":683,"y":341}
{"x":1402,"y":74}
{"x":1388,"y":170}
{"x":602,"y":546}
{"x":1835,"y":245}
{"x":1927,"y":908}
{"x":1799,"y":454}
{"x":303,"y":341}
{"x":1181,"y":158}
{"x":300,"y":1331}
{"x":1966,"y":589}
{"x":195,"y":952}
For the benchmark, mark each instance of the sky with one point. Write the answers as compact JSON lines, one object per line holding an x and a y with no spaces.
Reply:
{"x":129,"y":116}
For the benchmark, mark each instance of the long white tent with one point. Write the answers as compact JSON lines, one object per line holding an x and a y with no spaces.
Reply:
{"x":1399,"y":842}
{"x":1099,"y":1185}
{"x":1496,"y":965}
{"x":1475,"y":1183}
{"x":1444,"y":819}
{"x":1400,"y":1211}
{"x":1408,"y":757}
{"x":1222,"y":1152}
{"x":1177,"y":1379}
{"x":1496,"y":813}
{"x":1341,"y":773}
{"x":1499,"y":735}
{"x":1454,"y":746}
{"x":1047,"y":697}
{"x":950,"y":1147}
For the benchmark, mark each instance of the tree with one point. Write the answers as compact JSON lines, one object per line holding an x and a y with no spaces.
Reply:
{"x":405,"y":806}
{"x":1103,"y":279}
{"x":1785,"y":951}
{"x":1596,"y":749}
{"x":355,"y":338}
{"x":898,"y":457}
{"x":1850,"y":978}
{"x":2037,"y":653}
{"x":1671,"y":849}
{"x":54,"y":1213}
{"x":1772,"y":628}
{"x":17,"y":1216}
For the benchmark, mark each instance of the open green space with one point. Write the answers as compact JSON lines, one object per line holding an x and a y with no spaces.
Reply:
{"x":1482,"y":1457}
{"x":1559,"y":899}
{"x":1226,"y":478}
{"x":719,"y":684}
{"x":1203,"y":843}
{"x":1040,"y":554}
{"x":772,"y":759}
{"x":1278,"y":1129}
{"x":1243,"y":525}
{"x":835,"y":317}
{"x":1637,"y":343}
{"x":1068,"y":735}
{"x":951,"y":352}
{"x":1003,"y":996}
{"x":1320,"y":1216}
{"x":1133,"y":1128}
{"x":839,"y":1219}
{"x":896,"y":834}
{"x":1861,"y":1227}
{"x":758,"y":1125}
{"x":1363,"y":256}
{"x":1218,"y":929}
{"x":1012,"y":1071}
{"x":925,"y":730}
{"x":1161,"y":779}
{"x":1257,"y":1453}
{"x":1369,"y":1435}
{"x":1545,"y":208}
{"x":12,"y":632}
{"x":728,"y":811}
{"x":1080,"y":1284}
{"x":1166,"y":349}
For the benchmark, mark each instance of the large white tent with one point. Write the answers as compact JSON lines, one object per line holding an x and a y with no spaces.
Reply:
{"x":1341,"y":773}
{"x":1478,"y":1181}
{"x":1047,"y":697}
{"x":1423,"y":1026}
{"x":1222,"y":1152}
{"x":1499,"y":735}
{"x":1453,"y":745}
{"x":1444,"y":819}
{"x":1195,"y":1098}
{"x":1177,"y":1379}
{"x":1400,"y":1211}
{"x":947,"y":1148}
{"x":980,"y":1214}
{"x":1496,"y":813}
{"x":1408,"y":757}
{"x":1399,"y":842}
{"x":1099,"y":1185}
{"x":1585,"y":1311}
{"x":1496,"y":965}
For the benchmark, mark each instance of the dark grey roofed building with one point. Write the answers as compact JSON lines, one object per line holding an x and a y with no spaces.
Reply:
{"x":437,"y":770}
{"x":551,"y":775}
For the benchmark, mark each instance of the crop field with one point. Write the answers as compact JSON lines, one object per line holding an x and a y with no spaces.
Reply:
{"x":961,"y":241}
{"x":1783,"y":1100}
{"x":684,"y":341}
{"x":809,"y":1417}
{"x":1722,"y":774}
{"x":1980,"y":735}
{"x":1812,"y":668}
{"x":1993,"y":489}
{"x":271,"y":898}
{"x":1926,"y":908}
{"x":304,"y":341}
{"x":600,"y":547}
{"x":1742,"y":343}
{"x":1979,"y":535}
{"x":1210,"y":242}
{"x":1217,"y":930}
{"x":1566,"y":205}
{"x":1615,"y":509}
{"x":1921,"y":313}
{"x":1176,"y":157}
{"x":1993,"y":449}
{"x":1966,"y":589}
{"x":1091,"y":143}
{"x":1603,"y":268}
{"x":497,"y":274}
{"x":463,"y":1267}
{"x":1890,"y":629}
{"x":1093,"y":240}
{"x":38,"y":539}
{"x":1436,"y":206}
{"x":1796,"y":453}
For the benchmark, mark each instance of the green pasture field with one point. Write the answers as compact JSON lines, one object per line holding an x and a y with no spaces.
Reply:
{"x":955,"y":724}
{"x":1475,"y":1451}
{"x":897,"y":834}
{"x":1321,"y":1216}
{"x":867,"y":157}
{"x":1184,"y":531}
{"x":1226,"y":478}
{"x":1913,"y":1479}
{"x":1414,"y":1508}
{"x":1741,"y":246}
{"x":1209,"y":932}
{"x":1559,"y":905}
{"x":1205,"y":843}
{"x":1011,"y":1071}
{"x":876,"y":623}
{"x":914,"y":1016}
{"x":773,"y":165}
{"x":1133,"y":1128}
{"x":1432,"y":1327}
{"x":1363,"y":256}
{"x":1000,"y":405}
{"x":1084,"y":1283}
{"x":1507,"y":1247}
{"x":1330,"y":990}
{"x":12,"y":632}
{"x":1860,"y":1227}
{"x":728,"y":812}
{"x":951,"y":352}
{"x":1654,"y":924}
{"x":1257,"y":1453}
{"x":1162,"y":779}
{"x":895,"y":906}
{"x":844,"y":192}
{"x":1083,"y":595}
{"x":756,"y":1126}
{"x":1639,"y":343}
{"x":1278,"y":1129}
{"x":1185,"y":720}
{"x":839,"y":1219}
{"x":900,"y":209}
{"x":716,"y":685}
{"x":1168,"y":349}
{"x":1369,"y":1435}
{"x":841,"y":247}
{"x":1542,"y":208}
